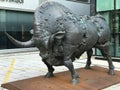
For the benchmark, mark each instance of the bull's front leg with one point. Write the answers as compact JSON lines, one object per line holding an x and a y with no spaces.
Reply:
{"x":68,"y":63}
{"x":50,"y":70}
{"x":50,"y":67}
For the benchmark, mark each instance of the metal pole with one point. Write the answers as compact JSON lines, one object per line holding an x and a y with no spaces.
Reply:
{"x":114,"y":28}
{"x":92,"y":7}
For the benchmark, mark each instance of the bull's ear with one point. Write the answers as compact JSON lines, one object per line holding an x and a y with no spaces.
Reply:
{"x":59,"y":35}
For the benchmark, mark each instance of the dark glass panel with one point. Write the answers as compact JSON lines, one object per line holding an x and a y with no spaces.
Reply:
{"x":17,"y":24}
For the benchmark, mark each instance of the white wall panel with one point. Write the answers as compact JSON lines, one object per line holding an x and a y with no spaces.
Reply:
{"x":27,"y":5}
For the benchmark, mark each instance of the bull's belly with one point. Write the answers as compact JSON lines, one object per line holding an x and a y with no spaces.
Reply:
{"x":55,"y":61}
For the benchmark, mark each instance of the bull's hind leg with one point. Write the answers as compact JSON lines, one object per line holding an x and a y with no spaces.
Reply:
{"x":105,"y":52}
{"x":88,"y":63}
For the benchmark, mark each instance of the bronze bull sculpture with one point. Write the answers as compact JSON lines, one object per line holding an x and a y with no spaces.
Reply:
{"x":61,"y":36}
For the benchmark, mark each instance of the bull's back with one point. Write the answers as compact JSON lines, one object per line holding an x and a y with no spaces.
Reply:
{"x":47,"y":14}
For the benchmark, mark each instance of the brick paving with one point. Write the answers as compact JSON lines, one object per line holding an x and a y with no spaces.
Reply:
{"x":25,"y":65}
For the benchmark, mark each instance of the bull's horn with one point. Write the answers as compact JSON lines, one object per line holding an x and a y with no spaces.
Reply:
{"x":19,"y":43}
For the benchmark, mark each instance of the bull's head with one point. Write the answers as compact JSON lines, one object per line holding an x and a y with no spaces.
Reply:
{"x":52,"y":51}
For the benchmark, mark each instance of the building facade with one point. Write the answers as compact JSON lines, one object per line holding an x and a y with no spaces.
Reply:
{"x":16,"y":17}
{"x":110,"y":9}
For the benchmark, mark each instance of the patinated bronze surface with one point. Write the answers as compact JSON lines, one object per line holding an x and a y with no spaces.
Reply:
{"x":61,"y":36}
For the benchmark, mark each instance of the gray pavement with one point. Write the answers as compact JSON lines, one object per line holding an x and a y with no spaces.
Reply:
{"x":25,"y":65}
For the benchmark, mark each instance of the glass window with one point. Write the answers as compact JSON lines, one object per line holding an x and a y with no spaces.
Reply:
{"x":115,"y":32}
{"x":17,"y":24}
{"x":107,"y":5}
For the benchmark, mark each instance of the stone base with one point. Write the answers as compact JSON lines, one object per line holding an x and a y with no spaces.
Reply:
{"x":96,"y":78}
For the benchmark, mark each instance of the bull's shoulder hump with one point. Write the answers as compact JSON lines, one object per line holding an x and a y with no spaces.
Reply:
{"x":50,"y":5}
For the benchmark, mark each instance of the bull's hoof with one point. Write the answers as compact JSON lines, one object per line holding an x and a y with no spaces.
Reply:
{"x":87,"y":67}
{"x":111,"y":72}
{"x":75,"y":81}
{"x":49,"y":75}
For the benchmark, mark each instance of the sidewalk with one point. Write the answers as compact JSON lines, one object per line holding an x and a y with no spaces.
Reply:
{"x":25,"y":65}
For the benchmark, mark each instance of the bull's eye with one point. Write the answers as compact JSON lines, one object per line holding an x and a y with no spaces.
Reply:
{"x":60,"y":23}
{"x":101,"y":27}
{"x":84,"y":35}
{"x":46,"y":19}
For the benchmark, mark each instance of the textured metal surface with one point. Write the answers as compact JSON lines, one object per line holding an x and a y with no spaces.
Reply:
{"x":94,"y":79}
{"x":61,"y":36}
